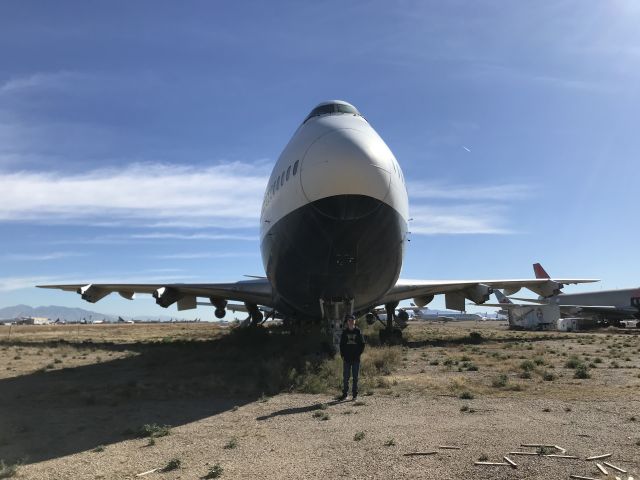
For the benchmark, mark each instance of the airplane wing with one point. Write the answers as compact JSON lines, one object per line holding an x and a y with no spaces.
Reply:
{"x":256,"y":291}
{"x":478,"y":291}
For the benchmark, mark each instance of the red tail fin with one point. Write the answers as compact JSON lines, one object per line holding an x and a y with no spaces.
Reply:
{"x":539,"y":271}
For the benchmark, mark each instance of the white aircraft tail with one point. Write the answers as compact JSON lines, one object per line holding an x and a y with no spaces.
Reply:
{"x":502,"y":298}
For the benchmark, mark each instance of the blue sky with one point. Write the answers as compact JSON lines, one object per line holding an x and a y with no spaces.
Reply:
{"x":136,"y":138}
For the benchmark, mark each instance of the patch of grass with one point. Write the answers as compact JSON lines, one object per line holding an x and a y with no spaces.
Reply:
{"x":231,"y":444}
{"x":321,"y":415}
{"x":154,"y":430}
{"x":173,"y":464}
{"x":466,"y":395}
{"x":548,"y":377}
{"x":483,"y":457}
{"x":581,"y":372}
{"x":526,"y":374}
{"x":8,"y":470}
{"x":573,"y":362}
{"x":390,"y":442}
{"x":527,"y":366}
{"x":214,"y":472}
{"x":545,"y":450}
{"x":358,"y":436}
{"x":98,"y":449}
{"x":464,"y":408}
{"x":500,"y":381}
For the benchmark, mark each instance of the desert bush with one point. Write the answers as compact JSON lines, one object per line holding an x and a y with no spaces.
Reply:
{"x":358,"y":436}
{"x":214,"y":472}
{"x":500,"y":381}
{"x":527,"y":366}
{"x":573,"y":362}
{"x":8,"y":470}
{"x":173,"y":464}
{"x":153,"y":430}
{"x":581,"y":372}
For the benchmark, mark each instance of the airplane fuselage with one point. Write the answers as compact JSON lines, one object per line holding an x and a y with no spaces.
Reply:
{"x":334,"y":217}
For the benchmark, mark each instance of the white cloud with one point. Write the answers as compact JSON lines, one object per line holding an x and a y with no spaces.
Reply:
{"x":40,"y":256}
{"x":222,"y":195}
{"x":434,"y":190}
{"x":197,"y":255}
{"x":458,"y":220}
{"x":191,"y":236}
{"x":40,"y":81}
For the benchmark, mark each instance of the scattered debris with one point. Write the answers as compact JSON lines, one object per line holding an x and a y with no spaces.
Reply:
{"x":147,"y":472}
{"x":602,"y":469}
{"x":510,"y":462}
{"x":449,"y":447}
{"x":493,"y":463}
{"x":598,"y":457}
{"x":415,"y":454}
{"x":524,"y":453}
{"x":579,"y":477}
{"x":560,"y":449}
{"x":610,"y":465}
{"x":560,"y":456}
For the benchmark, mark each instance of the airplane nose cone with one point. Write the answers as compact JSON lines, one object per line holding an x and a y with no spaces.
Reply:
{"x":347,"y":162}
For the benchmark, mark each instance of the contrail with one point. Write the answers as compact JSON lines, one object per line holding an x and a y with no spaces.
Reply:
{"x":466,"y":148}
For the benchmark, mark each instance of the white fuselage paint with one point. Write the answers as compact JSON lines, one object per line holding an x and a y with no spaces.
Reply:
{"x":338,"y":154}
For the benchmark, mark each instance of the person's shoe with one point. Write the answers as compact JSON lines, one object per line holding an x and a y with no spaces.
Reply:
{"x":355,"y":395}
{"x":342,"y":397}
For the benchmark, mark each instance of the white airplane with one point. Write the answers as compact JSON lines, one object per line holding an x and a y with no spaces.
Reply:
{"x":333,"y":230}
{"x":609,"y":306}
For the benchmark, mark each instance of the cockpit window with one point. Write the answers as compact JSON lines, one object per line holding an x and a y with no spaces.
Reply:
{"x":345,"y":109}
{"x":331,"y":108}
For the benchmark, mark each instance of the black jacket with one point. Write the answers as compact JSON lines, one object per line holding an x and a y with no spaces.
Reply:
{"x":351,"y":345}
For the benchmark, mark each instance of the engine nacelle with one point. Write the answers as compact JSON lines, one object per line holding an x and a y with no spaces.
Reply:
{"x":547,"y":289}
{"x":422,"y":301}
{"x":92,"y":294}
{"x":166,"y":296}
{"x":370,"y":318}
{"x":478,"y":293}
{"x":220,"y":312}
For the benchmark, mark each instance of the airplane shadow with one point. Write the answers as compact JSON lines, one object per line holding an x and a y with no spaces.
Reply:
{"x":298,"y":410}
{"x":53,"y":413}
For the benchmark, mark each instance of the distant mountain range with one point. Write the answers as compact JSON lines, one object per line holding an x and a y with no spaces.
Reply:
{"x":69,"y":314}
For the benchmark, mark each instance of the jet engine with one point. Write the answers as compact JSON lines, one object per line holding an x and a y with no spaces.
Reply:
{"x":422,"y":301}
{"x":220,"y":304}
{"x":370,"y":318}
{"x":166,"y":296}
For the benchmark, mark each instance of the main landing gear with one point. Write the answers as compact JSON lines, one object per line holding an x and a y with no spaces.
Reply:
{"x":392,"y":333}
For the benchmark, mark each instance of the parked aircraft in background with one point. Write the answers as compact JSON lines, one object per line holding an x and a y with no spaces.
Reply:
{"x":333,"y":230}
{"x":444,"y":316}
{"x":607,"y":306}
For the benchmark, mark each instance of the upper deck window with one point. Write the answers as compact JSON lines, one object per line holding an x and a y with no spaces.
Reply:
{"x":330,"y":108}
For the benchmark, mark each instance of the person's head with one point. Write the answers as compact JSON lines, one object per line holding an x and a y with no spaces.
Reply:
{"x":351,"y":322}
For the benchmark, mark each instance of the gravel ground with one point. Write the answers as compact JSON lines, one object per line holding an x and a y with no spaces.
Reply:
{"x":48,"y":417}
{"x":280,"y":438}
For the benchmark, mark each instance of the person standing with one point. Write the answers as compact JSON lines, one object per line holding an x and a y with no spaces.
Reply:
{"x":351,"y":347}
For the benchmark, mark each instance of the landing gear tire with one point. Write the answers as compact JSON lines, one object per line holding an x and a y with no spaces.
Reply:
{"x":391,"y":337}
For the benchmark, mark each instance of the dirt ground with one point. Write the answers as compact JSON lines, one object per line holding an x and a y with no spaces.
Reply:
{"x":74,"y":399}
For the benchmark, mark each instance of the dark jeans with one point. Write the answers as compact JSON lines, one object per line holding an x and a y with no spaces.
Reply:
{"x":353,"y":369}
